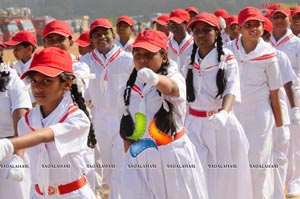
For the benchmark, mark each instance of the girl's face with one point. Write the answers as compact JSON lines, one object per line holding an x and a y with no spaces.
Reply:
{"x":204,"y":36}
{"x":22,"y":53}
{"x":48,"y":91}
{"x":103,"y":39}
{"x":144,"y":58}
{"x":252,"y":30}
{"x":58,"y":41}
{"x":124,"y":30}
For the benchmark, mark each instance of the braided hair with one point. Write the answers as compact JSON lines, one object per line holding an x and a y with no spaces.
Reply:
{"x":164,"y":120}
{"x":80,"y":102}
{"x":220,"y":80}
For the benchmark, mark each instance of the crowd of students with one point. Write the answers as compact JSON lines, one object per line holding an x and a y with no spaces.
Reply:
{"x":205,"y":106}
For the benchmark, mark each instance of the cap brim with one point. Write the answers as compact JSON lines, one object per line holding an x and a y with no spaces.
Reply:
{"x":253,"y":18}
{"x":130,"y":24}
{"x":57,"y":32}
{"x":281,"y":11}
{"x":100,"y":26}
{"x":12,"y":43}
{"x":161,"y":22}
{"x":176,"y":20}
{"x":190,"y":25}
{"x":46,"y":70}
{"x":82,"y":43}
{"x":147,"y":46}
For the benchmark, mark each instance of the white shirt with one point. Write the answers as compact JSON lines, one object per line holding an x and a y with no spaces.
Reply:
{"x":112,"y":71}
{"x":259,"y":71}
{"x":204,"y":80}
{"x":127,"y":47}
{"x":179,"y":52}
{"x":13,"y":98}
{"x":145,"y":99}
{"x":70,"y":141}
{"x":290,"y":45}
{"x":21,"y":67}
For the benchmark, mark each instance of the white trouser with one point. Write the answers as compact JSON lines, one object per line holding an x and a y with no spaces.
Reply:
{"x":280,"y":159}
{"x":257,"y":120}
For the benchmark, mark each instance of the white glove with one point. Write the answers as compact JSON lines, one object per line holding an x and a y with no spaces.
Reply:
{"x":295,"y":115}
{"x":219,"y":119}
{"x":6,"y":148}
{"x":147,"y":76}
{"x":15,"y":172}
{"x":281,"y":136}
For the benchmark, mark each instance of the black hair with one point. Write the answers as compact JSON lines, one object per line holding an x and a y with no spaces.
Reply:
{"x":80,"y":102}
{"x":4,"y":80}
{"x":26,"y":44}
{"x":220,"y":80}
{"x":164,"y":120}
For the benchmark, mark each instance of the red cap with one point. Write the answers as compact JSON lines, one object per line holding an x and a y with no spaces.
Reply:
{"x":151,"y":40}
{"x":295,"y":10}
{"x":268,"y":26}
{"x":179,"y":16}
{"x":280,"y":7}
{"x":209,"y":18}
{"x":192,"y":9}
{"x":233,"y":19}
{"x":83,"y":40}
{"x":101,"y":22}
{"x":250,"y":13}
{"x":162,"y":20}
{"x":51,"y":62}
{"x":2,"y":44}
{"x":22,"y":36}
{"x":221,"y":13}
{"x":58,"y":27}
{"x":126,"y":19}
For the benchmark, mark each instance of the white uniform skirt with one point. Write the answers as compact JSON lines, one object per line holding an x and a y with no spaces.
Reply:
{"x":224,"y":155}
{"x":172,"y":172}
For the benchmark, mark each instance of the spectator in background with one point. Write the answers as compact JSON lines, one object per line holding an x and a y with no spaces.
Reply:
{"x":193,"y":11}
{"x":125,"y":30}
{"x":24,"y":45}
{"x":161,"y":24}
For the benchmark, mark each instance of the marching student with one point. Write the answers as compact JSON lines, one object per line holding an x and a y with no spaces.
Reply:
{"x":159,"y":95}
{"x":283,"y":39}
{"x":232,"y":29}
{"x":57,"y":131}
{"x":286,"y":93}
{"x":213,"y":86}
{"x":181,"y":43}
{"x":295,"y":20}
{"x":14,"y":102}
{"x":161,"y":24}
{"x":260,"y":109}
{"x":112,"y":67}
{"x":84,"y":44}
{"x":24,"y":45}
{"x":125,"y":30}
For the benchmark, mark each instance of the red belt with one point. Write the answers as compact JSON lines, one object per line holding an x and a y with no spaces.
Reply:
{"x":63,"y":189}
{"x":203,"y":113}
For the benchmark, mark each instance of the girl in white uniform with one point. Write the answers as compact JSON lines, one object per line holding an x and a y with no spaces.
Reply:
{"x":213,"y":128}
{"x":164,"y":164}
{"x":260,"y":82}
{"x":56,"y":130}
{"x":15,"y":101}
{"x":283,"y":39}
